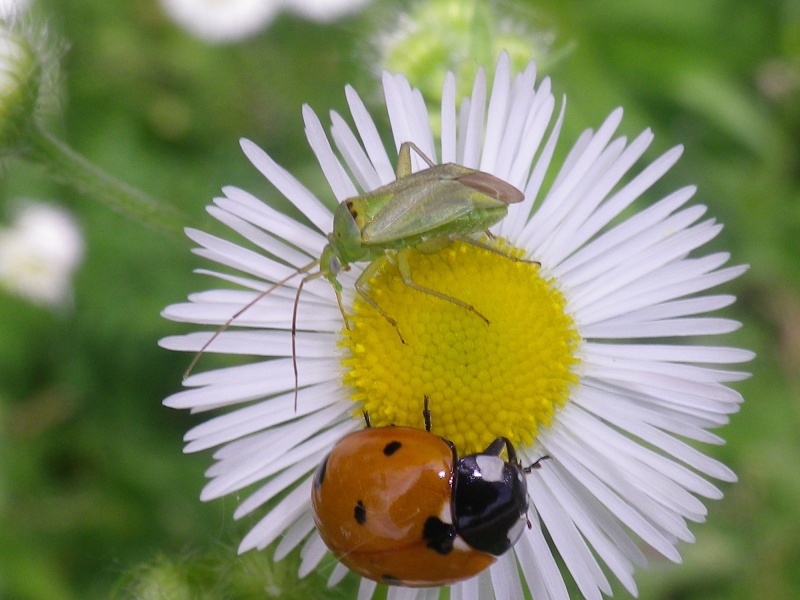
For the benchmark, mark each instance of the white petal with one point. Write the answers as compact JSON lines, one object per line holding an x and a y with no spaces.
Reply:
{"x":295,"y":191}
{"x":473,"y":135}
{"x":449,"y":142}
{"x":241,"y":465}
{"x":258,"y":237}
{"x":607,"y":549}
{"x":614,"y":493}
{"x":571,"y":546}
{"x":370,"y":137}
{"x":588,"y":260}
{"x":539,"y":566}
{"x":278,"y":519}
{"x":260,"y":416}
{"x":505,"y":578}
{"x":274,"y":377}
{"x":366,"y":589}
{"x":337,"y":178}
{"x":312,"y":554}
{"x":298,"y":532}
{"x":497,"y":114}
{"x":515,"y":226}
{"x":532,"y":133}
{"x":405,"y":108}
{"x":558,"y":203}
{"x":338,"y":574}
{"x":672,"y":353}
{"x":354,"y":155}
{"x":253,"y":210}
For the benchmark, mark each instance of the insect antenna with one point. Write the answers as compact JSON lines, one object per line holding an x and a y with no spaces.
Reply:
{"x":537,"y":464}
{"x":244,"y":309}
{"x":294,"y":328}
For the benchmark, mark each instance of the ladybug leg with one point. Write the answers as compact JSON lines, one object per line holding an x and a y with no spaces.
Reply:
{"x":426,"y":415}
{"x":366,"y":419}
{"x":496,"y":449}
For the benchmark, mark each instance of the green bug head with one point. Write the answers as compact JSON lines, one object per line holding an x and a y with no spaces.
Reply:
{"x":345,"y":239}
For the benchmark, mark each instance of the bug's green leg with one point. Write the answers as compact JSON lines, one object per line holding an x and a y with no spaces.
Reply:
{"x":485,"y":246}
{"x":433,"y":245}
{"x":404,"y":159}
{"x":412,"y":146}
{"x":341,"y":308}
{"x":405,"y":273}
{"x":363,"y":279}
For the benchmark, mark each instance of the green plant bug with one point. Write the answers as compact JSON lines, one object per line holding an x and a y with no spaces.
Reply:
{"x":425,"y":210}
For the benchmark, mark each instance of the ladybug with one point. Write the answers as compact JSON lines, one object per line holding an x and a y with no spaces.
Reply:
{"x":398,"y":506}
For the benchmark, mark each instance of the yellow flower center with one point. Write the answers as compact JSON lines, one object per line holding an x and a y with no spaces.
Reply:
{"x":505,"y":378}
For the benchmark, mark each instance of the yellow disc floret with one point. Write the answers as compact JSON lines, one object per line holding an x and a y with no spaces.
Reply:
{"x":505,"y":378}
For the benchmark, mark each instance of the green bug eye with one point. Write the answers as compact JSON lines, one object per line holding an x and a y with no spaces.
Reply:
{"x":335,"y":265}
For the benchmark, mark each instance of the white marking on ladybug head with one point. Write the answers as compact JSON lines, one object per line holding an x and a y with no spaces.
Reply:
{"x":516,"y":530}
{"x":491,"y":468}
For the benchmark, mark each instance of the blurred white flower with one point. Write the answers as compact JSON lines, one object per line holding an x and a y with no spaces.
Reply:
{"x":324,"y":10}
{"x":9,"y":8}
{"x":222,"y":21}
{"x":39,"y":253}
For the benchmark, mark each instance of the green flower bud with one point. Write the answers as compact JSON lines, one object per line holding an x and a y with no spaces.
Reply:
{"x":20,"y":87}
{"x":438,"y":36}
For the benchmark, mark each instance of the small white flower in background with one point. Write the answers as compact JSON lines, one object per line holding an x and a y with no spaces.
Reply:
{"x":581,"y":361}
{"x":39,"y":254}
{"x":221,"y":21}
{"x":224,"y":21}
{"x":324,"y":10}
{"x":10,"y":8}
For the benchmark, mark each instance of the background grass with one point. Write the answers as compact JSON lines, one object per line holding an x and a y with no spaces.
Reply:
{"x":95,"y":494}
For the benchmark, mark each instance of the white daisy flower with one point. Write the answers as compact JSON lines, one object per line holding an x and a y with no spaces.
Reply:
{"x":39,"y":254}
{"x":580,"y":360}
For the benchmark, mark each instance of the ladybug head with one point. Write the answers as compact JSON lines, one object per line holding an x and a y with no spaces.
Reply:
{"x":490,"y":499}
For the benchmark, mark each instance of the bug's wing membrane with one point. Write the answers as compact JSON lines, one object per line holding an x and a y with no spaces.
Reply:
{"x":430,"y":208}
{"x":492,"y":186}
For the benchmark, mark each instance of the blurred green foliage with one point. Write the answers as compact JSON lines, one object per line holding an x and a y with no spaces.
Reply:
{"x":93,"y":485}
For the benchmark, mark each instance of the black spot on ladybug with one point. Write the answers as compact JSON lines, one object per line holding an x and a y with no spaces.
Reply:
{"x":321,"y":469}
{"x":391,"y":448}
{"x":391,"y":580}
{"x":360,"y":513}
{"x":439,"y":535}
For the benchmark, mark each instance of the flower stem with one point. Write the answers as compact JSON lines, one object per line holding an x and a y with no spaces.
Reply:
{"x":65,"y":165}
